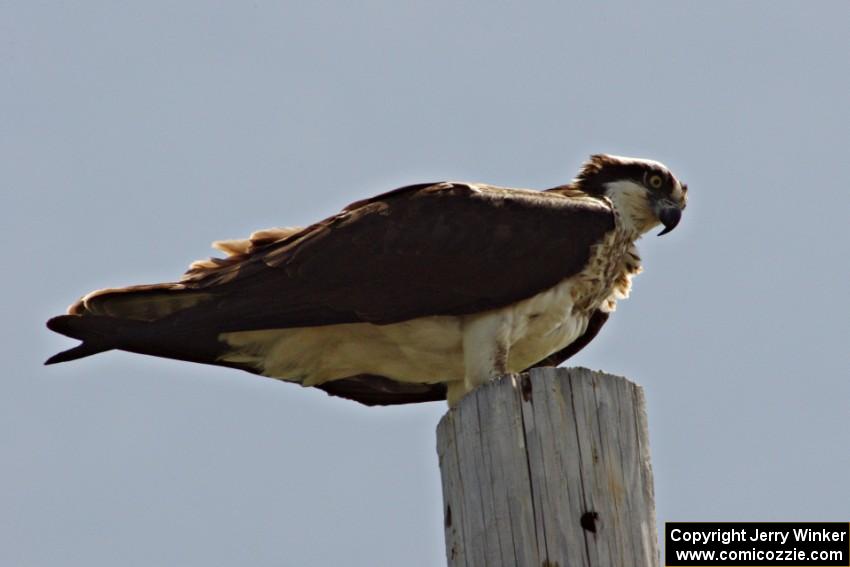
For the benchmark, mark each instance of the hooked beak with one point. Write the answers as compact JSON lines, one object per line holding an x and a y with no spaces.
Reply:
{"x":669,"y":215}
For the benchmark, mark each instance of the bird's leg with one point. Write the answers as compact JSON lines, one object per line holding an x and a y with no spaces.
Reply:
{"x":486,"y":342}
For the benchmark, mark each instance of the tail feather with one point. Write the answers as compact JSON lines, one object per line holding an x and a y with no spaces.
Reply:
{"x":139,"y":302}
{"x":101,"y":333}
{"x":122,"y":318}
{"x":97,"y":333}
{"x":79,"y":351}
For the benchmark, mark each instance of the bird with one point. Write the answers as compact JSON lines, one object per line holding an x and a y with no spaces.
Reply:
{"x":419,"y":294}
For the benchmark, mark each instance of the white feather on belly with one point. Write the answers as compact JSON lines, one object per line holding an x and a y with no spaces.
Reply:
{"x":426,"y":349}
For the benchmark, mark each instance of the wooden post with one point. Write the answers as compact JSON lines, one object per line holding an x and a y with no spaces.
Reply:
{"x":549,"y":468}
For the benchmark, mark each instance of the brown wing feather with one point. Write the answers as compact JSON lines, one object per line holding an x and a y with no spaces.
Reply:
{"x":373,"y":390}
{"x":447,"y":249}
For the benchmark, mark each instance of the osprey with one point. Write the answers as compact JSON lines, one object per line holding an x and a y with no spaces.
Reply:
{"x":418,"y":294}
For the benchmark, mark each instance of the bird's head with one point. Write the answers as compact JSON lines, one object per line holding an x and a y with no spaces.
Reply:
{"x":644,"y":192}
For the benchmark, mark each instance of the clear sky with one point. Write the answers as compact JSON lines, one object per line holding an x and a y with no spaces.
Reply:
{"x":132,"y":136}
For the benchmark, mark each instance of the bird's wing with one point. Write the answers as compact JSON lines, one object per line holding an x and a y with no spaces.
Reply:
{"x":434,"y":249}
{"x":444,"y":249}
{"x":373,"y":390}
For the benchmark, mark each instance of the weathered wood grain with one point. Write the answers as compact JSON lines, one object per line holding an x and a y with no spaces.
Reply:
{"x":549,"y":468}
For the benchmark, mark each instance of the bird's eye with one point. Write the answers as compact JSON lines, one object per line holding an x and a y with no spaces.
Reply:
{"x":656,"y":182}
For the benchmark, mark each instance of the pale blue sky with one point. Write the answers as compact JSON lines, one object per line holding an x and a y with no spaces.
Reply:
{"x":132,"y":136}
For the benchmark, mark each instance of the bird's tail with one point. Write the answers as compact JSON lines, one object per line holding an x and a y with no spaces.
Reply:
{"x":122,"y":318}
{"x":98,"y":334}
